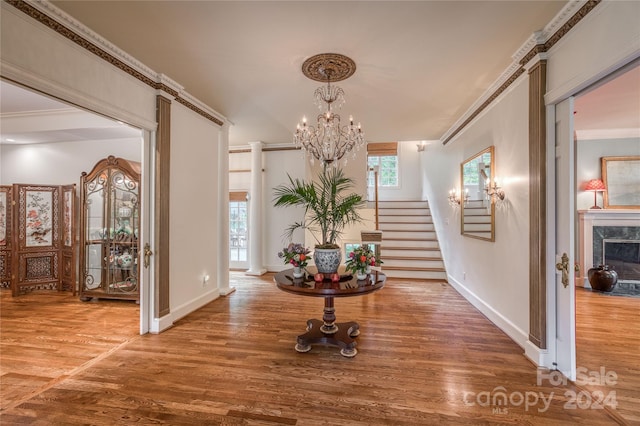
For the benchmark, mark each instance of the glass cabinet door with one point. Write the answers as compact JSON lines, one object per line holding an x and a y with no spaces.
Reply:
{"x":124,"y":222}
{"x":95,"y":233}
{"x":109,"y":232}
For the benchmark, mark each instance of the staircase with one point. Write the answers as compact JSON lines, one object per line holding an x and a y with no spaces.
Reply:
{"x":409,"y":247}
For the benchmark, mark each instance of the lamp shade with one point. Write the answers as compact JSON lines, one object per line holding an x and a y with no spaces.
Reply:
{"x":595,"y":185}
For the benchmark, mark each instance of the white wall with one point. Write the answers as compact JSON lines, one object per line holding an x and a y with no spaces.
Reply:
{"x":277,"y":165}
{"x":606,"y":39}
{"x":37,"y":57}
{"x":588,"y":155}
{"x":40,"y":58}
{"x":194,"y":212}
{"x":492,"y":275}
{"x":409,"y":184}
{"x":239,"y":181}
{"x":60,"y":163}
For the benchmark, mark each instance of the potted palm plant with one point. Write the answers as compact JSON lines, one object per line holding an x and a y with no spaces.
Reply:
{"x":329,"y":207}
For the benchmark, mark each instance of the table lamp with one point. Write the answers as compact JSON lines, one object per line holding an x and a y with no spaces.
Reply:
{"x":595,"y":185}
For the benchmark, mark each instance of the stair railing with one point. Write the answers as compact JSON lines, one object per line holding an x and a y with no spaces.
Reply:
{"x":375,"y":170}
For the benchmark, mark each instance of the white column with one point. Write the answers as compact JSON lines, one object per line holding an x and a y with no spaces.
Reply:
{"x":255,"y":211}
{"x":223,"y":213}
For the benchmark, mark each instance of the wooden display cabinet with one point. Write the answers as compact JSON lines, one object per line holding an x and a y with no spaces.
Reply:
{"x":109,"y":229}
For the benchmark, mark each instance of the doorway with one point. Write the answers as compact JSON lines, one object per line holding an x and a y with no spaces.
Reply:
{"x":238,"y":230}
{"x":601,"y":121}
{"x":62,"y":141}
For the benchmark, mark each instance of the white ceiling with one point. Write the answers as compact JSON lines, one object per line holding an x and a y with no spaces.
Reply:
{"x":27,"y":117}
{"x":420,"y":64}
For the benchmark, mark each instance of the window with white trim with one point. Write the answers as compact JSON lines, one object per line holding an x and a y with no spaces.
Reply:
{"x":385,"y":156}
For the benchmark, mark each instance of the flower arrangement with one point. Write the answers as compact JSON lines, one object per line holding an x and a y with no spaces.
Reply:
{"x":360,"y":259}
{"x":295,"y":254}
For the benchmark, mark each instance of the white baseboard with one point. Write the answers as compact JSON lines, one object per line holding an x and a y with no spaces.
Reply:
{"x":540,"y":357}
{"x":158,"y":325}
{"x":516,"y":334}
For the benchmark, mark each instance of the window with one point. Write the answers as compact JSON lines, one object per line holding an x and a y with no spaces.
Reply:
{"x":237,"y":227}
{"x":384,"y":155}
{"x":388,"y":174}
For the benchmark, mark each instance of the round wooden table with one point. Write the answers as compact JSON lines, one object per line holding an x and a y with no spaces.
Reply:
{"x":327,"y":331}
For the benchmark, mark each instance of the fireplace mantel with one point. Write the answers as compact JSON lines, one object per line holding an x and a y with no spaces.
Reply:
{"x":587,"y":219}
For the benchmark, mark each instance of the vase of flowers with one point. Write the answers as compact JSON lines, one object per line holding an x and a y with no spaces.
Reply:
{"x":296,"y":255}
{"x":361,"y":260}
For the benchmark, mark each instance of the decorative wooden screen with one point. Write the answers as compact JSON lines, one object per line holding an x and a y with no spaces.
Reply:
{"x":6,"y":198}
{"x":37,"y":243}
{"x":69,"y":240}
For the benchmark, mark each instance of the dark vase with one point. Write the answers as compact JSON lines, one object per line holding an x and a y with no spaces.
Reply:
{"x":602,"y":278}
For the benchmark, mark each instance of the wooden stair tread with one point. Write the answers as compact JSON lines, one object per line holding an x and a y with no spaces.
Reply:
{"x":410,"y":258}
{"x":405,"y":215}
{"x":409,"y":248}
{"x":413,"y":231}
{"x":409,"y":216}
{"x":404,"y":223}
{"x":411,"y":268}
{"x":409,"y":239}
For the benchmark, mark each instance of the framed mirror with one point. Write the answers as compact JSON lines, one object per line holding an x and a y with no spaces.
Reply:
{"x":621,"y":176}
{"x":478,"y":212}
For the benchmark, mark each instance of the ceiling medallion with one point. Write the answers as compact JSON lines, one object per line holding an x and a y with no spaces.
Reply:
{"x":320,"y":67}
{"x":328,"y":141}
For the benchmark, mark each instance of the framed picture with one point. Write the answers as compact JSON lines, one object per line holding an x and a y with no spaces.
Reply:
{"x":38,"y":218}
{"x":621,"y":176}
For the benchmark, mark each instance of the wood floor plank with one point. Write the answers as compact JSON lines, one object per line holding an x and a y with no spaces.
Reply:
{"x":426,"y":356}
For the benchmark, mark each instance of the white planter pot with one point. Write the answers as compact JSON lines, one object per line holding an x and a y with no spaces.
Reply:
{"x":327,"y":260}
{"x":298,"y":272}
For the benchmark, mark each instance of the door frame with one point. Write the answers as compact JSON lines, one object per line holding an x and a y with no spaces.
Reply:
{"x":552,"y":99}
{"x":562,"y":314}
{"x":147,"y":135}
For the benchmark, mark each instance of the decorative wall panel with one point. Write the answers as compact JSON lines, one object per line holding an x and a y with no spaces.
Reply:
{"x":6,"y":197}
{"x":38,"y":216}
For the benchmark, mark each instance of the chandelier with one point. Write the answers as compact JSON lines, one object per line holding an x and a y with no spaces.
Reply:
{"x":329,"y":141}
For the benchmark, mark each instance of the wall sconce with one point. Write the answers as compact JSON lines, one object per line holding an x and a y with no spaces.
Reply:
{"x":455,"y":199}
{"x":595,"y":185}
{"x":494,"y":192}
{"x":422,"y":146}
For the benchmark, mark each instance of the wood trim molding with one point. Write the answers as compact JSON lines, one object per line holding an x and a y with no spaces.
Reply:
{"x":537,"y":205}
{"x":162,"y":206}
{"x":139,"y":71}
{"x":535,"y":47}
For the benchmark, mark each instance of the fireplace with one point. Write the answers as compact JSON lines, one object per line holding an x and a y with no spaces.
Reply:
{"x":623,"y":256}
{"x":595,"y":226}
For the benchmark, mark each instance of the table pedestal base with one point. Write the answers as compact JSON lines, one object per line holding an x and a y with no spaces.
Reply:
{"x":342,"y":337}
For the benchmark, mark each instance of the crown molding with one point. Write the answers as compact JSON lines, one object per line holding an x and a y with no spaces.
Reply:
{"x":38,"y":114}
{"x":59,"y":21}
{"x":536,"y":46}
{"x":604,"y":134}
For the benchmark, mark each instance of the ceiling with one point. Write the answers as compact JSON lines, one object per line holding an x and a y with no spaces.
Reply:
{"x":27,"y":117}
{"x":420,"y":64}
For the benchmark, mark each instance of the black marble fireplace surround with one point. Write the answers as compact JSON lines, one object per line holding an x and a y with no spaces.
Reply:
{"x":624,"y":257}
{"x":621,"y":257}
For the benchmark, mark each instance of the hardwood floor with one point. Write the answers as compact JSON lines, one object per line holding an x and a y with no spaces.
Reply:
{"x":608,"y":338}
{"x":426,"y":356}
